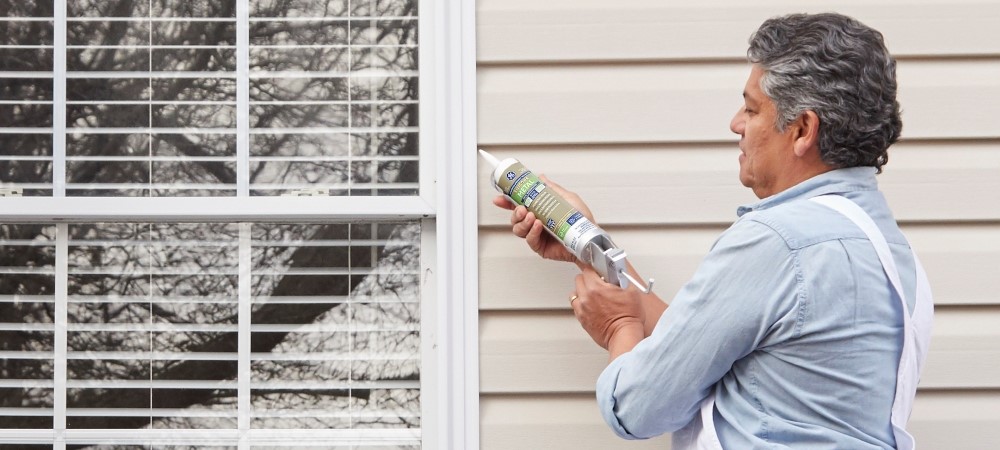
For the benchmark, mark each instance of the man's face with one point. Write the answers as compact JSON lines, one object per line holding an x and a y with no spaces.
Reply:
{"x":765,"y":154}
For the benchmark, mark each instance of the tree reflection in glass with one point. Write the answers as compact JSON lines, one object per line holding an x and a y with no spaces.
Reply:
{"x":363,"y":289}
{"x":27,"y":317}
{"x":153,"y":311}
{"x":348,"y":79}
{"x":26,"y":51}
{"x":317,"y":87}
{"x":153,"y":324}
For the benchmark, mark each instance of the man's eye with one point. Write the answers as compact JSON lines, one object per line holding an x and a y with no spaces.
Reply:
{"x":748,"y":110}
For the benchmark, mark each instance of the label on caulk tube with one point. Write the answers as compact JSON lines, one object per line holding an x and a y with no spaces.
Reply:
{"x":588,"y":242}
{"x":561,"y":218}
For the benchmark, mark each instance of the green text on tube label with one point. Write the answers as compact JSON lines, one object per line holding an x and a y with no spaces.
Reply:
{"x":561,"y":218}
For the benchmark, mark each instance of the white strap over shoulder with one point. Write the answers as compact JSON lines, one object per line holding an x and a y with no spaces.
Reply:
{"x":860,"y":218}
{"x":916,"y":328}
{"x":700,"y":434}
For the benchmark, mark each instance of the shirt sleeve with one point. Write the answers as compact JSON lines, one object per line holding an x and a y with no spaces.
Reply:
{"x":744,"y":289}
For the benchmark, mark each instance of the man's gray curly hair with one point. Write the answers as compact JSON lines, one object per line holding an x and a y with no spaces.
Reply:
{"x":838,"y":68}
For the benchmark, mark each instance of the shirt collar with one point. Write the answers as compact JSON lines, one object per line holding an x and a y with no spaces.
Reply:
{"x":836,"y":181}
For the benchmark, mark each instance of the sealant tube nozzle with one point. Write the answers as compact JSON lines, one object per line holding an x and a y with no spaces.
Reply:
{"x":489,"y":158}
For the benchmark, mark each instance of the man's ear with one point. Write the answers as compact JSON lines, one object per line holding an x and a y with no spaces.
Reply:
{"x":807,"y":133}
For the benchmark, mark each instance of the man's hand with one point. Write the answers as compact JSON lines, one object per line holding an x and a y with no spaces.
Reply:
{"x":525,"y":225}
{"x":613,"y":317}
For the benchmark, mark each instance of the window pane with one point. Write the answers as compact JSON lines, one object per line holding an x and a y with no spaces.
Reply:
{"x":352,"y":72}
{"x":154,"y":325}
{"x":27,"y":8}
{"x":28,"y":44}
{"x":27,"y":333}
{"x":299,"y":8}
{"x":26,"y":162}
{"x":26,"y":52}
{"x":316,"y":67}
{"x":103,"y":8}
{"x":194,"y":8}
{"x":152,"y":336}
{"x":358,"y":366}
{"x":169,"y":133}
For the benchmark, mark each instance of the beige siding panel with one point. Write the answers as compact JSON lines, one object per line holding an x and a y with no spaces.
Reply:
{"x":537,"y":352}
{"x":603,"y":104}
{"x":944,"y":181}
{"x":966,"y":420}
{"x":962,"y":262}
{"x":940,"y":181}
{"x":550,"y":422}
{"x":694,"y":102}
{"x":639,"y":30}
{"x":965,"y":349}
{"x":941,"y":420}
{"x":546,"y":351}
{"x":937,"y":97}
{"x":525,"y":281}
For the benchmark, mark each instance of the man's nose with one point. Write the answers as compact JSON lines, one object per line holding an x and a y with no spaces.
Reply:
{"x":737,"y":124}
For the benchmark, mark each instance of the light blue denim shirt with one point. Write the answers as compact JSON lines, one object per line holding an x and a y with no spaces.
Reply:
{"x":789,"y":318}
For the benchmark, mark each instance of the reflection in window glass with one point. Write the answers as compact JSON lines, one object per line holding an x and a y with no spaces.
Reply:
{"x":189,"y":93}
{"x":26,"y":52}
{"x":336,"y":314}
{"x":340,"y":72}
{"x":152,"y":311}
{"x":27,"y":331}
{"x":152,"y":334}
{"x":153,"y":325}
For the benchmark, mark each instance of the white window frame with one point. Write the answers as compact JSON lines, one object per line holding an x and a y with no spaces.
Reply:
{"x":446,"y":206}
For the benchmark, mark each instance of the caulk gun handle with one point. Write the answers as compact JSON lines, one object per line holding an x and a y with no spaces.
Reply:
{"x":613,"y":267}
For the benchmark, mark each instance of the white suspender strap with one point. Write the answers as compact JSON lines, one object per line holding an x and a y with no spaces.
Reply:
{"x":916,"y":330}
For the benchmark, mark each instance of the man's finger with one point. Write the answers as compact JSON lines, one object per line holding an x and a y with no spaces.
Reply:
{"x":534,"y":235}
{"x":588,"y":276}
{"x":502,"y":202}
{"x":523,"y":225}
{"x":518,"y":215}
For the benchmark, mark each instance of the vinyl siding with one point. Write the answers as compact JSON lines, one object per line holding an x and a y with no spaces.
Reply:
{"x":628,"y":103}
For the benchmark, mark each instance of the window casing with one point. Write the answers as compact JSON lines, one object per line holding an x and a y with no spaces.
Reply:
{"x":180,"y":218}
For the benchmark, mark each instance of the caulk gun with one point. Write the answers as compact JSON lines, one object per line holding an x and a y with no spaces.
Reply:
{"x":577,"y":233}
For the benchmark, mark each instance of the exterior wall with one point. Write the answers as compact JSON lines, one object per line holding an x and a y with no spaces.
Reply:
{"x":628,"y":103}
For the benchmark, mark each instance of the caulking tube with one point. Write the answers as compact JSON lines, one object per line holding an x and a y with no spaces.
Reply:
{"x":576,"y":232}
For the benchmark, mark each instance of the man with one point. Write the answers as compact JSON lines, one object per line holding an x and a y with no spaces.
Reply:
{"x":790,"y":334}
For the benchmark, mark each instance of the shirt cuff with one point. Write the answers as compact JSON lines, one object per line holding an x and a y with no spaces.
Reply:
{"x":606,"y":401}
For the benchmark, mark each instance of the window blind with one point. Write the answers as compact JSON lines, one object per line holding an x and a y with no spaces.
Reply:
{"x":26,"y":108}
{"x":27,"y":330}
{"x":150,"y":98}
{"x":335,"y":329}
{"x":152,"y":105}
{"x":242,"y":335}
{"x":154,"y":326}
{"x":333,"y":97}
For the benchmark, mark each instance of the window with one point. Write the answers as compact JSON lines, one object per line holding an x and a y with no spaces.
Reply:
{"x":221,"y":225}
